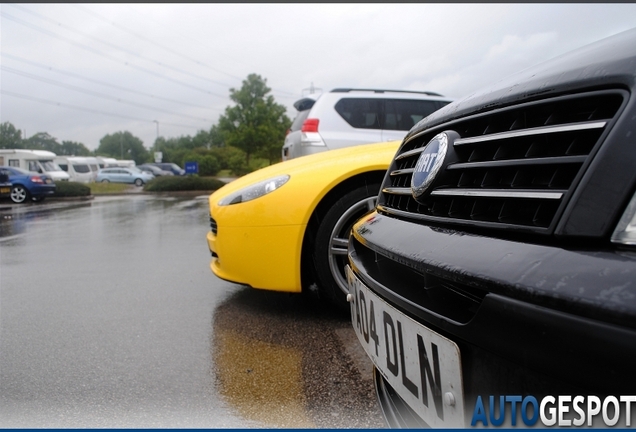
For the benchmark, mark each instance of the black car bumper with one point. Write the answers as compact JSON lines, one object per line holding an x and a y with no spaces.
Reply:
{"x":528,"y":319}
{"x":5,"y":190}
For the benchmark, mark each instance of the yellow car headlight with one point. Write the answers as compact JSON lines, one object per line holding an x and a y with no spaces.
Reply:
{"x":254,"y":191}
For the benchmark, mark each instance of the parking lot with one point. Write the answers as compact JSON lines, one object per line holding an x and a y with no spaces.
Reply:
{"x":110,"y":317}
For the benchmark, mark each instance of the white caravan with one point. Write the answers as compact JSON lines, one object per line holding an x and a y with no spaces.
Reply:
{"x":77,"y":167}
{"x":106,"y":162}
{"x":39,"y":161}
{"x":94,"y":164}
{"x":126,"y":163}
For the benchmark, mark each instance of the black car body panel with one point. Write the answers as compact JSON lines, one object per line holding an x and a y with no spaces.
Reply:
{"x":510,"y":298}
{"x":507,"y":253}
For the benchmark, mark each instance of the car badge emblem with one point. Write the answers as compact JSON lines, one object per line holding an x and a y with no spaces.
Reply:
{"x":428,"y":165}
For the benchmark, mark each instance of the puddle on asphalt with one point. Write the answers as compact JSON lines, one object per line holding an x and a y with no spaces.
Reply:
{"x":262,"y":381}
{"x":278,"y":359}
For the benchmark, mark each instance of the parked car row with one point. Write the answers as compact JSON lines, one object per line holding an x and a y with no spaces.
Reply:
{"x":23,"y":185}
{"x":82,"y":169}
{"x":497,"y":258}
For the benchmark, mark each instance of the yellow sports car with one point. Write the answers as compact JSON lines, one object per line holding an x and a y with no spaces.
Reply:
{"x":285,"y":227}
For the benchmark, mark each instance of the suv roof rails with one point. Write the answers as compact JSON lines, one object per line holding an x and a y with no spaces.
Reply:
{"x":346,"y":90}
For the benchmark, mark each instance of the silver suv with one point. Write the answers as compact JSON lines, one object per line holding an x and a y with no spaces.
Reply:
{"x":346,"y":117}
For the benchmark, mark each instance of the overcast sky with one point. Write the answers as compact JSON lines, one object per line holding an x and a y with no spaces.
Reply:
{"x":81,"y":71}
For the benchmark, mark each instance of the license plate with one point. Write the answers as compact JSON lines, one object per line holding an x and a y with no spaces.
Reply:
{"x":47,"y":181}
{"x":5,"y":190}
{"x":422,"y":366}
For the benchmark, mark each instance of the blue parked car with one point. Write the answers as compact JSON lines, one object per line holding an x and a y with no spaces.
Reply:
{"x":27,"y":185}
{"x":123,"y":175}
{"x":172,"y":167}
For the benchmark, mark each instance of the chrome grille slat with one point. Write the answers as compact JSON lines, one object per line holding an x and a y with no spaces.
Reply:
{"x":402,"y":171}
{"x":493,"y":193}
{"x":397,"y":191}
{"x":511,"y":167}
{"x":416,"y":151}
{"x":518,"y":162}
{"x":530,"y":132}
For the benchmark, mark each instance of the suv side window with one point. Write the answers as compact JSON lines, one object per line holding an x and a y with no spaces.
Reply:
{"x":360,"y":113}
{"x":401,"y":114}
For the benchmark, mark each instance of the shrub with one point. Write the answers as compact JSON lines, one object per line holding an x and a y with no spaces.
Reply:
{"x":183,"y":183}
{"x":208,"y":163}
{"x":71,"y":189}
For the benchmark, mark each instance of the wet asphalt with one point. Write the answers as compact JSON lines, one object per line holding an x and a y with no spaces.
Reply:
{"x":110,"y":317}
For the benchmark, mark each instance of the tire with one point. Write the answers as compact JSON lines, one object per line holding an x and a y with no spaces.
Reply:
{"x":19,"y":194}
{"x":105,"y":181}
{"x":330,"y":250}
{"x":139,"y":182}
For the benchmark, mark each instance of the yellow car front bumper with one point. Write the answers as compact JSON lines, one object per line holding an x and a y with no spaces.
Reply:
{"x":262,"y":257}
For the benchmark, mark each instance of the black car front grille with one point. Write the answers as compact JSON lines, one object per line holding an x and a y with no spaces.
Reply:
{"x":512,"y":167}
{"x":213,"y":225}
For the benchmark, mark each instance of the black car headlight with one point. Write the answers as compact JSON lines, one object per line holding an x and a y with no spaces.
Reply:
{"x":254,"y":191}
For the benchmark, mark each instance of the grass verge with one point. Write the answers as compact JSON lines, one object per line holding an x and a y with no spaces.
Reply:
{"x":107,"y":188}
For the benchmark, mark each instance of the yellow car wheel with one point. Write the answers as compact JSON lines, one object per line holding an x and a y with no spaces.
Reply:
{"x":330,"y":252}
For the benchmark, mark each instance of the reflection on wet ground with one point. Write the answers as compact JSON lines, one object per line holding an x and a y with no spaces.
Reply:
{"x":279,"y":360}
{"x":13,"y":223}
{"x":110,"y":317}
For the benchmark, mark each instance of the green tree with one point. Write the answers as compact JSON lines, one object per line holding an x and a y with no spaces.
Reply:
{"x":71,"y":148}
{"x":201,"y":140}
{"x":43,"y":141}
{"x":256,"y":124}
{"x":173,"y":149}
{"x":216,"y":137}
{"x":10,"y":137}
{"x":123,"y":145}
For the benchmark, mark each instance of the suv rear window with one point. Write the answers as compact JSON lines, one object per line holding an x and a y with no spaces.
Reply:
{"x":360,"y":113}
{"x":400,"y":114}
{"x":394,"y":114}
{"x":297,"y":124}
